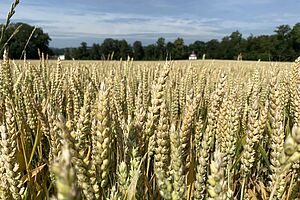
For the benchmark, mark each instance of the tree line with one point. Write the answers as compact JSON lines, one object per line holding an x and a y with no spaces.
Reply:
{"x":282,"y":45}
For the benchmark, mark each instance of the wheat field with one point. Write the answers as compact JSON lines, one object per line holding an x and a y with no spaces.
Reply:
{"x":149,"y":130}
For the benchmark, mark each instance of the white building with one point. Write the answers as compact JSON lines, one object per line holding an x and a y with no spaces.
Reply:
{"x":61,"y":57}
{"x":193,"y":56}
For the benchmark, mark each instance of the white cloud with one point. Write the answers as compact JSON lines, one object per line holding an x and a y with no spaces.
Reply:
{"x":66,"y":23}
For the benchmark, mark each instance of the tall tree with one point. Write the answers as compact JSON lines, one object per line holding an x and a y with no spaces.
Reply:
{"x":124,"y":49}
{"x":259,"y":47}
{"x":109,"y":47}
{"x":198,"y":47}
{"x":150,"y":52}
{"x":38,"y":41}
{"x":138,"y":50}
{"x":82,"y":52}
{"x":295,"y":37}
{"x":231,"y":46}
{"x":68,"y":54}
{"x":95,"y":52}
{"x":284,"y":50}
{"x":180,"y":49}
{"x":212,"y":49}
{"x":170,"y":50}
{"x":160,"y":48}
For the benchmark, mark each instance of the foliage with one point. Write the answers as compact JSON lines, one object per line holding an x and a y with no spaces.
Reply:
{"x":38,"y":41}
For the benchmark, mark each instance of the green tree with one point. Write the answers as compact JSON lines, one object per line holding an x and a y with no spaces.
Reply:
{"x":283,"y":43}
{"x":38,"y":41}
{"x":180,"y":49}
{"x":213,"y":49}
{"x":161,"y":48}
{"x":138,"y":50}
{"x":68,"y":54}
{"x":57,"y":51}
{"x":283,"y":32}
{"x":198,"y":47}
{"x":82,"y":53}
{"x":95,"y":52}
{"x":150,"y":52}
{"x":231,"y":46}
{"x":259,"y":47}
{"x":295,"y":37}
{"x":109,"y":47}
{"x":170,"y":50}
{"x":124,"y":49}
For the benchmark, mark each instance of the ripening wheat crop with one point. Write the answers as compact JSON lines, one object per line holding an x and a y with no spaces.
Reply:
{"x":149,"y":130}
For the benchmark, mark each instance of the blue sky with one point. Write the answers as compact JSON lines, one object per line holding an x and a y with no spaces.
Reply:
{"x":69,"y":22}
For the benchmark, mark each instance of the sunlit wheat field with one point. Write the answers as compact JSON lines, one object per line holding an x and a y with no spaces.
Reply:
{"x":204,"y":129}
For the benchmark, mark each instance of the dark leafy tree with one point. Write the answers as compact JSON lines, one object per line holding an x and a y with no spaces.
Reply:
{"x":57,"y":51}
{"x":198,"y":47}
{"x":82,"y":53}
{"x":109,"y":47}
{"x":38,"y":41}
{"x":95,"y":52}
{"x":138,"y":50}
{"x":259,"y":47}
{"x":180,"y":49}
{"x":283,"y":44}
{"x":170,"y":49}
{"x":150,"y":52}
{"x":212,"y":49}
{"x":295,"y":37}
{"x":161,"y":49}
{"x":124,"y":49}
{"x":68,"y":54}
{"x":231,"y":46}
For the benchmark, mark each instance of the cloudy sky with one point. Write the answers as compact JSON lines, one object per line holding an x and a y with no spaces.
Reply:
{"x":69,"y":22}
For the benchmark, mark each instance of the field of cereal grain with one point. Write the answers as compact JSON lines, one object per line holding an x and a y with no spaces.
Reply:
{"x":149,"y":130}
